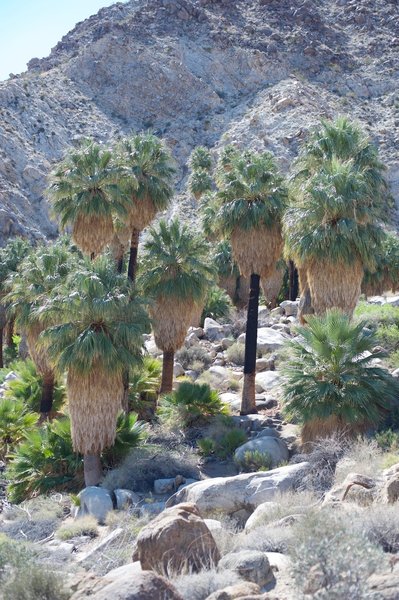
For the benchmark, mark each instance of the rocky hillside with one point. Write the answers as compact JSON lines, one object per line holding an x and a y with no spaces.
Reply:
{"x":259,"y":72}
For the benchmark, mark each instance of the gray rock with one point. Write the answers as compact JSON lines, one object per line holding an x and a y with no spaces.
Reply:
{"x":143,"y":586}
{"x":270,"y":446}
{"x":213,"y":330}
{"x":126,"y":498}
{"x":226,"y":343}
{"x":260,"y":515}
{"x":268,"y":432}
{"x":267,"y":381}
{"x":268,"y":339}
{"x":290,"y":308}
{"x":95,"y":501}
{"x":251,"y":565}
{"x":178,"y":370}
{"x":166,"y":486}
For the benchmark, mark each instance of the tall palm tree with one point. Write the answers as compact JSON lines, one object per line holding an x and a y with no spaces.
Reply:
{"x":39,"y":274}
{"x":251,"y":199}
{"x":100,"y":336}
{"x":331,"y":235}
{"x":176,"y":276}
{"x":340,"y":141}
{"x":85,"y":192}
{"x":272,"y":285}
{"x":331,"y":381}
{"x":149,"y":162}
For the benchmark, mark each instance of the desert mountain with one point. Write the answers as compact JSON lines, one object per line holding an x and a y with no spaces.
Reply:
{"x":256,"y":72}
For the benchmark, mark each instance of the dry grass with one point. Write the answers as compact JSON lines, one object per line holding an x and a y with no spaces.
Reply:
{"x":86,"y":525}
{"x":271,"y":285}
{"x":198,"y":586}
{"x":92,"y":233}
{"x":363,"y":456}
{"x":141,"y":212}
{"x":257,"y":250}
{"x":171,"y":318}
{"x":287,"y":504}
{"x":37,"y":351}
{"x":334,"y":285}
{"x":94,"y":402}
{"x":236,"y":354}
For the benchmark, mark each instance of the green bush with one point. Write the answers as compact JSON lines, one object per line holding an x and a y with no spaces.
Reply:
{"x":36,"y":583}
{"x":236,"y":354}
{"x":331,"y":383}
{"x":15,"y":422}
{"x":191,"y":404}
{"x":130,"y":433}
{"x":143,"y":388}
{"x":217,"y":305}
{"x":253,"y":461}
{"x":224,"y":441}
{"x":388,"y":440}
{"x":28,"y":387}
{"x":188,"y":357}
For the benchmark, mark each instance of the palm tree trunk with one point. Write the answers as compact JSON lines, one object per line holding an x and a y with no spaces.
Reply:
{"x":1,"y":348}
{"x":167,"y":371}
{"x":293,"y":281}
{"x":248,"y":404}
{"x":125,"y":399}
{"x":134,"y":245}
{"x":93,"y":470}
{"x":10,"y":333}
{"x":46,"y":402}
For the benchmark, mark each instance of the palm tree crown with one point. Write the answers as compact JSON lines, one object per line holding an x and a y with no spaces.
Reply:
{"x":85,"y":191}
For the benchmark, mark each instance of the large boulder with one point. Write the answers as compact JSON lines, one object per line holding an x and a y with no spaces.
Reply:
{"x":390,"y":487}
{"x":95,"y":501}
{"x":213,"y":330}
{"x":268,"y":339}
{"x":275,"y":449}
{"x":290,"y":308}
{"x":251,"y":565}
{"x":143,"y":586}
{"x":177,"y":541}
{"x":267,"y":380}
{"x":238,"y":590}
{"x":229,"y":495}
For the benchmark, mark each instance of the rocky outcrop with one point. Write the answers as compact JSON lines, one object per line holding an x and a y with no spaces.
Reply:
{"x":251,"y":72}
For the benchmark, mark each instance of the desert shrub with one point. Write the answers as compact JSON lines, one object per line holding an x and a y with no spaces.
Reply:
{"x":86,"y":525}
{"x":45,"y":460}
{"x":287,"y":504}
{"x":39,"y":508}
{"x":380,"y":524}
{"x":253,"y":461}
{"x":331,"y":383}
{"x":198,"y":586}
{"x":362,"y":456}
{"x":32,"y":530}
{"x":265,"y":539}
{"x":238,"y":322}
{"x":15,"y":423}
{"x":35,"y":584}
{"x":142,"y":466}
{"x":27,"y":388}
{"x":190,"y":404}
{"x":236,"y":354}
{"x":323,"y":544}
{"x":374,"y":314}
{"x":388,"y":440}
{"x":143,"y":388}
{"x":195,"y":354}
{"x":217,"y":305}
{"x":323,"y":457}
{"x":13,"y":554}
{"x":221,"y":438}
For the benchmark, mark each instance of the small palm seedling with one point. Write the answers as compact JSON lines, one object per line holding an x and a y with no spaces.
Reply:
{"x":331,"y":383}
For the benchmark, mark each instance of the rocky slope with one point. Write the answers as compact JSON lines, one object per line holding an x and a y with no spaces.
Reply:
{"x":259,"y":72}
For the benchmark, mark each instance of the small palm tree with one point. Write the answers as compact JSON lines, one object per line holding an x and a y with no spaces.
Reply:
{"x":340,"y":143}
{"x":150,"y":164}
{"x":100,"y":336}
{"x":251,"y":199}
{"x":200,"y":164}
{"x":85,"y":192}
{"x":386,"y":275}
{"x":331,"y":382}
{"x":39,"y":275}
{"x":331,"y":237}
{"x":176,"y":277}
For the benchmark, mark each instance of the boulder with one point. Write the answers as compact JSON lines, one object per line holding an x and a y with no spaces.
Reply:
{"x":259,"y":516}
{"x":268,"y":339}
{"x":390,"y":487}
{"x":233,"y":592}
{"x":231,"y":399}
{"x":95,"y":501}
{"x":126,"y":498}
{"x":177,"y":541}
{"x":143,"y":586}
{"x":340,"y":491}
{"x":264,"y":364}
{"x":385,"y":585}
{"x":275,"y":448}
{"x":178,"y":370}
{"x":268,"y":432}
{"x":226,"y":343}
{"x":213,"y":331}
{"x":266,"y":381}
{"x":169,"y":485}
{"x":290,"y":308}
{"x":246,"y":491}
{"x":251,"y":565}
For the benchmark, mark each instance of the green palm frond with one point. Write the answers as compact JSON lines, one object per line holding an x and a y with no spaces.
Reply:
{"x":223,"y":260}
{"x":102,"y":321}
{"x":386,"y":274}
{"x":191,"y":403}
{"x":331,"y":372}
{"x":176,"y":263}
{"x":27,"y":387}
{"x":88,"y":182}
{"x":150,"y":164}
{"x":200,"y":159}
{"x":199,"y":183}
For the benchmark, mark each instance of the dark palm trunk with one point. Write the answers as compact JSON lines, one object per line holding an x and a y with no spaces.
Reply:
{"x":10,"y":333}
{"x":167,"y":371}
{"x":134,"y":245}
{"x":1,"y":348}
{"x":119,"y":265}
{"x":93,"y":470}
{"x":248,"y":404}
{"x":293,"y":281}
{"x":125,"y":399}
{"x":46,"y":402}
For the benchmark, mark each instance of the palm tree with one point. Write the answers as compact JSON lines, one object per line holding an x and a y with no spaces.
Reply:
{"x":338,"y":142}
{"x":200,"y":180}
{"x":10,"y":258}
{"x":176,"y":276}
{"x":86,"y":192}
{"x":272,"y":285}
{"x":331,"y":381}
{"x":100,"y":336}
{"x":331,"y":235}
{"x":252,"y":198}
{"x":149,"y":162}
{"x":386,"y":275}
{"x":39,"y":274}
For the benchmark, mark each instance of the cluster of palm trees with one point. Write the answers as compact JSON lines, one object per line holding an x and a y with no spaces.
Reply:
{"x":85,"y":318}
